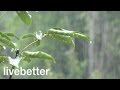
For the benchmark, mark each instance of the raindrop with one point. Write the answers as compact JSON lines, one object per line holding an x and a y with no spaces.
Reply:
{"x":39,"y":35}
{"x":90,"y":42}
{"x":12,"y":49}
{"x":4,"y":47}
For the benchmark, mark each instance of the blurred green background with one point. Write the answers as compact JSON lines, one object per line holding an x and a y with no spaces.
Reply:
{"x":99,"y":60}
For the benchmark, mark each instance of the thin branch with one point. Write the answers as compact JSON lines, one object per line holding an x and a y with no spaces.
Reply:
{"x":13,"y":67}
{"x":29,"y":45}
{"x":17,"y":53}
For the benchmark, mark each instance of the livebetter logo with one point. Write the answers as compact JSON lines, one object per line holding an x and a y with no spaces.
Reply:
{"x":22,"y":71}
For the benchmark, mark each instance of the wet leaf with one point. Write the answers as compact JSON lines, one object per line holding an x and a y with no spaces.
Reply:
{"x":26,"y":59}
{"x":7,"y":42}
{"x":25,"y":17}
{"x":66,"y":39}
{"x":82,"y":36}
{"x":28,"y":36}
{"x":38,"y":54}
{"x":61,"y":32}
{"x":11,"y":35}
{"x":3,"y":58}
{"x":4,"y":36}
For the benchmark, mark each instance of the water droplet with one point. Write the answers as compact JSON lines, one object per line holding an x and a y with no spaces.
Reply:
{"x":4,"y":47}
{"x":15,"y":44}
{"x":90,"y":42}
{"x":14,"y":62}
{"x":39,"y":35}
{"x":12,"y":49}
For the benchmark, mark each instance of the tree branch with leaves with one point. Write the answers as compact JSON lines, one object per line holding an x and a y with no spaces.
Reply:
{"x":63,"y":35}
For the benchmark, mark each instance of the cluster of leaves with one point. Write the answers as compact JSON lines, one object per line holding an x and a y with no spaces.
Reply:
{"x":66,"y":36}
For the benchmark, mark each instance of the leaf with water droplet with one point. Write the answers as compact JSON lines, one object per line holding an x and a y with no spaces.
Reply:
{"x":61,"y":32}
{"x":58,"y":28}
{"x":82,"y":36}
{"x":7,"y":42}
{"x":38,"y":54}
{"x":66,"y":39}
{"x":3,"y":58}
{"x":25,"y":17}
{"x":27,"y":59}
{"x":28,"y":36}
{"x":4,"y":36}
{"x":11,"y":35}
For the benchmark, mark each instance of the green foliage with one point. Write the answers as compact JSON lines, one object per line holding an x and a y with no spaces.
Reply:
{"x":3,"y":58}
{"x":4,"y":36}
{"x":63,"y":35}
{"x":102,"y":27}
{"x":66,"y":39}
{"x":1,"y":46}
{"x":61,"y":32}
{"x":38,"y":54}
{"x":28,"y":36}
{"x":11,"y":35}
{"x":25,"y":17}
{"x":25,"y":58}
{"x":57,"y":31}
{"x":82,"y":36}
{"x":7,"y":42}
{"x":38,"y":43}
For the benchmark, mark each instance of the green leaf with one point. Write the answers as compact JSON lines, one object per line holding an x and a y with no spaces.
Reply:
{"x":58,"y":28}
{"x":26,"y":59}
{"x":7,"y":42}
{"x":25,"y":17}
{"x":28,"y":36}
{"x":67,"y":33}
{"x":11,"y":35}
{"x":3,"y":58}
{"x":82,"y":36}
{"x":63,"y":38}
{"x":4,"y":36}
{"x":38,"y":54}
{"x":61,"y":32}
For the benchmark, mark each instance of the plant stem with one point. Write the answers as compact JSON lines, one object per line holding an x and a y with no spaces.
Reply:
{"x":32,"y":43}
{"x":13,"y":67}
{"x":29,"y":45}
